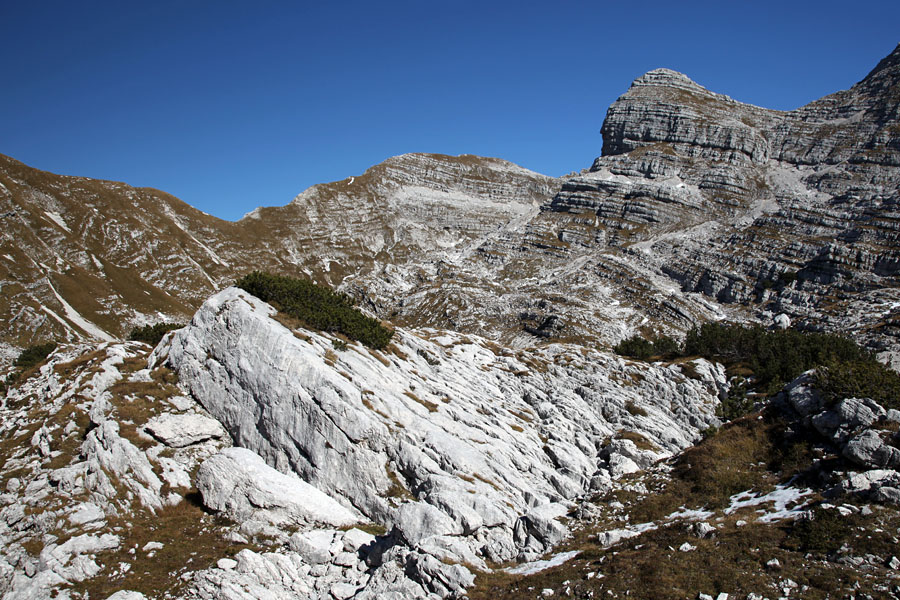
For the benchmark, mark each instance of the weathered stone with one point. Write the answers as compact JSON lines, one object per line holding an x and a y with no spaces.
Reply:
{"x":179,"y":430}
{"x":870,"y":451}
{"x":238,"y":482}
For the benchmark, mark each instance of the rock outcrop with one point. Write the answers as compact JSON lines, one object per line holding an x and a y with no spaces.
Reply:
{"x":445,"y":440}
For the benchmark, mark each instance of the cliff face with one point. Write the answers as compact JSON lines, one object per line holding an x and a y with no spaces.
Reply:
{"x":792,"y":212}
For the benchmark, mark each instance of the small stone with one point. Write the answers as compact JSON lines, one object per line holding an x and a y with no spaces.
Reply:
{"x":342,"y":591}
{"x":236,"y":538}
{"x":894,"y":563}
{"x":686,"y":547}
{"x":345,"y":559}
{"x":704,"y":530}
{"x":740,"y":523}
{"x":546,"y":592}
{"x":226,"y":564}
{"x":128,"y":595}
{"x":774,"y":564}
{"x":152,"y":546}
{"x":722,"y":596}
{"x":354,"y":539}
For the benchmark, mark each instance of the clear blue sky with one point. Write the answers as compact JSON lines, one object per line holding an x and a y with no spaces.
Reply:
{"x":232,"y":105}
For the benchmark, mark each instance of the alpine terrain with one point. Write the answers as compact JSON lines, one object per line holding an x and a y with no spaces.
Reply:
{"x":669,"y":375}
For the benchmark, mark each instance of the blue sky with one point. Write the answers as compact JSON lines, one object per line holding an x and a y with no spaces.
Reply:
{"x":233,"y":105}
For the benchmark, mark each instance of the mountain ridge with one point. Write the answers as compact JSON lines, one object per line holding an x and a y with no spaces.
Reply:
{"x":426,"y":239}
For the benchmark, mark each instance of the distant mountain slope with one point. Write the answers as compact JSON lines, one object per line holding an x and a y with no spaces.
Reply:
{"x":82,"y":258}
{"x":699,"y":208}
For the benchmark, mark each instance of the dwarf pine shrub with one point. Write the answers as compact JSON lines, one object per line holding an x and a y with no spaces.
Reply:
{"x":317,"y":307}
{"x":152,"y":334}
{"x":34,"y":355}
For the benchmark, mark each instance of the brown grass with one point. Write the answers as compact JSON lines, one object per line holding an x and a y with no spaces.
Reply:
{"x":191,"y":538}
{"x":397,"y":489}
{"x":634,"y":409}
{"x":431,"y":406}
{"x":639,"y":440}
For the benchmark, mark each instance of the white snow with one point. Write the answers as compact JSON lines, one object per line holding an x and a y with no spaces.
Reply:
{"x":781,"y":497}
{"x":74,"y":316}
{"x":215,"y":257}
{"x":8,"y":257}
{"x":530,"y":568}
{"x":57,"y":218}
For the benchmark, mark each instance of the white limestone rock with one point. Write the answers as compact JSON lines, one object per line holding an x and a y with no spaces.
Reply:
{"x":127,"y":595}
{"x":847,"y":417}
{"x":87,"y":512}
{"x":238,"y":482}
{"x":870,"y":451}
{"x":180,"y":430}
{"x":478,"y":436}
{"x":106,"y":453}
{"x":419,"y":520}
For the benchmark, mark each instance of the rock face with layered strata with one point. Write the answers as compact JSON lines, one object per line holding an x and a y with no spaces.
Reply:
{"x":779,"y":212}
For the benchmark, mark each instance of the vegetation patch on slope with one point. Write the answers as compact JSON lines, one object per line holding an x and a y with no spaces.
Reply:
{"x":760,"y":362}
{"x":834,"y":552}
{"x":317,"y":307}
{"x":152,"y":334}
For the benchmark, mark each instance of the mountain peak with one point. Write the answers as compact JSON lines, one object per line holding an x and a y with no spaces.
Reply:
{"x":890,"y":64}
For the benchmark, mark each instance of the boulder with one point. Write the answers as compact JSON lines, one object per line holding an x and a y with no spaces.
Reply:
{"x":180,"y":430}
{"x":869,"y":450}
{"x":239,"y":482}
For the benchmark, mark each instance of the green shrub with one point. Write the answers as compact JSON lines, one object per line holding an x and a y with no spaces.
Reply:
{"x":152,"y":334}
{"x":770,"y":359}
{"x":316,"y":306}
{"x":665,"y":346}
{"x":859,"y":379}
{"x":774,"y":357}
{"x":635,"y":347}
{"x":34,"y":355}
{"x":824,"y":533}
{"x":737,"y":403}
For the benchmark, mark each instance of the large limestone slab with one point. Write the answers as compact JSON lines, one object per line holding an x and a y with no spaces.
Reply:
{"x":239,"y":482}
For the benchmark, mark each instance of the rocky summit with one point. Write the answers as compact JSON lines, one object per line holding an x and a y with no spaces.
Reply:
{"x":506,"y":442}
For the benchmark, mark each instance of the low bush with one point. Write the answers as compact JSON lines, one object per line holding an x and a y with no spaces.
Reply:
{"x":859,"y":379}
{"x":767,"y":360}
{"x":642,"y":349}
{"x":34,"y":355}
{"x":774,"y":357}
{"x":317,"y":307}
{"x":635,"y":347}
{"x":152,"y":334}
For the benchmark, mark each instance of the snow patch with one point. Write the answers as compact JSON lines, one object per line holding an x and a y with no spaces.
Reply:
{"x":57,"y":218}
{"x":530,"y":568}
{"x":74,"y":316}
{"x":781,"y":497}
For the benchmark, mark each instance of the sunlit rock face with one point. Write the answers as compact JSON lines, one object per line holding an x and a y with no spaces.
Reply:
{"x":449,"y":440}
